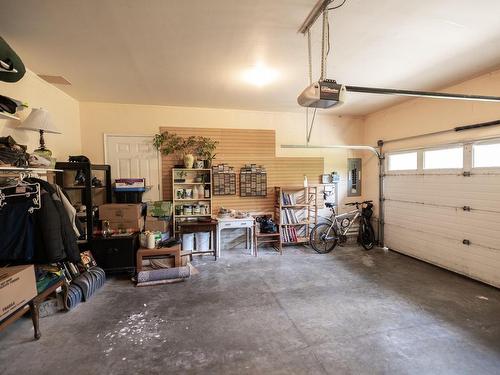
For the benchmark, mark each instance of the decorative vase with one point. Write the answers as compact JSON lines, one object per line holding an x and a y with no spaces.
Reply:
{"x":199,"y":164}
{"x":188,"y":161}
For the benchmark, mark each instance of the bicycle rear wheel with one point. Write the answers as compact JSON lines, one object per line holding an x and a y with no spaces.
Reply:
{"x":323,"y":238}
{"x":367,"y":236}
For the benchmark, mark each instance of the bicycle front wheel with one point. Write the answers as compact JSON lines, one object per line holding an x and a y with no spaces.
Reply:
{"x":323,"y":238}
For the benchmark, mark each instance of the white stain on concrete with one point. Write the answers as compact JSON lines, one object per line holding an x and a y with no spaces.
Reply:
{"x":137,"y":329}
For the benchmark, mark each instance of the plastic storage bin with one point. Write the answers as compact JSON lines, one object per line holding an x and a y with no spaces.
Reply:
{"x":202,"y":241}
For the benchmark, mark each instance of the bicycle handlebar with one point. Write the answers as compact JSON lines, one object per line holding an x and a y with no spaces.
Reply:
{"x":357,"y":203}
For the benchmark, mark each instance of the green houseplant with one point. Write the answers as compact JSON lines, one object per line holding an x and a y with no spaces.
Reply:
{"x":172,"y":144}
{"x":206,"y":150}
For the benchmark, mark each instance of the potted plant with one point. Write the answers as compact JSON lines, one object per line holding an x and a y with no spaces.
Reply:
{"x":171,"y":143}
{"x":180,"y":176}
{"x":206,"y":148}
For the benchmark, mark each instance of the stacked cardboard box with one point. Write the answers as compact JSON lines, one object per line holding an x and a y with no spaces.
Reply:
{"x":123,"y":216}
{"x":160,"y":208}
{"x":157,"y":224}
{"x":158,"y":217}
{"x":17,"y":287}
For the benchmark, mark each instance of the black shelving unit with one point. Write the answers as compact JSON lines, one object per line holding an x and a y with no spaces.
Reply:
{"x":86,"y":191}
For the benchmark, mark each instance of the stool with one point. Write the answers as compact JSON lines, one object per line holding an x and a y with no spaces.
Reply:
{"x":143,"y":253}
{"x":272,"y":238}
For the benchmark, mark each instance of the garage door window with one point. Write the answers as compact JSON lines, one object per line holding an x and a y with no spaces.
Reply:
{"x":486,"y":155}
{"x":403,"y":162}
{"x":448,"y":158}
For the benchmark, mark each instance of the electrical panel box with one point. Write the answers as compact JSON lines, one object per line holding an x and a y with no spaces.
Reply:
{"x":354,"y":177}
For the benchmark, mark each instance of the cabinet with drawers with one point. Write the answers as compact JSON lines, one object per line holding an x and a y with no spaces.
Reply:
{"x":116,"y":253}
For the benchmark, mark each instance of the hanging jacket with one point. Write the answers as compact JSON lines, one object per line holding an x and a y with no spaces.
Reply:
{"x":56,"y":239}
{"x":17,"y":239}
{"x":68,"y":207}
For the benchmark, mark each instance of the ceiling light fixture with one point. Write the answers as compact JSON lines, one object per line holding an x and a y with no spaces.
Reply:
{"x":260,"y":75}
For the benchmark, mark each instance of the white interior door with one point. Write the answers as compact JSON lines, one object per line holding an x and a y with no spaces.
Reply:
{"x":134,"y":157}
{"x":448,"y":218}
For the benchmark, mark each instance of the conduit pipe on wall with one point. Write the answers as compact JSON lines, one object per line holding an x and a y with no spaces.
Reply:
{"x":455,"y":130}
{"x":349,"y":147}
{"x":380,"y":157}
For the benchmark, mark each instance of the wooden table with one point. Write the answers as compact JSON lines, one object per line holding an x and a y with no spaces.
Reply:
{"x":247,"y":223}
{"x":163,"y":251}
{"x":210,"y":226}
{"x":34,"y":306}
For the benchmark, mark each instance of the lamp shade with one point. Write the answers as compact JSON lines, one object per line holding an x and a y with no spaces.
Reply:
{"x":39,"y":119}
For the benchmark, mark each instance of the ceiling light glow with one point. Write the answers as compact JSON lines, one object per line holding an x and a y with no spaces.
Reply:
{"x":260,"y":75}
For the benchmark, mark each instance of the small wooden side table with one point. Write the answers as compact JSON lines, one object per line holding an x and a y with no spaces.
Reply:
{"x":34,"y":306}
{"x":149,"y":253}
{"x":272,"y":238}
{"x":186,"y":227}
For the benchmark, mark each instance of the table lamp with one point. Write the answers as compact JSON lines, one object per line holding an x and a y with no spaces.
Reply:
{"x":41,"y":121}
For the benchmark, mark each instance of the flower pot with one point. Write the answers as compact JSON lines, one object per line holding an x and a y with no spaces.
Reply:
{"x":188,"y":161}
{"x":199,"y":164}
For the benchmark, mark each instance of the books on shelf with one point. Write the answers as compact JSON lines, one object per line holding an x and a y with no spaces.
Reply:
{"x":296,"y":209}
{"x":289,"y":216}
{"x":288,"y":199}
{"x":289,"y":234}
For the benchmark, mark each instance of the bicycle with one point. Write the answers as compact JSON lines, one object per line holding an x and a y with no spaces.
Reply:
{"x":326,"y":235}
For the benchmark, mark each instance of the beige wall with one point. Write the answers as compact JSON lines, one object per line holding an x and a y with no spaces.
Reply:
{"x":108,"y":118}
{"x":63,"y":108}
{"x":419,"y":116}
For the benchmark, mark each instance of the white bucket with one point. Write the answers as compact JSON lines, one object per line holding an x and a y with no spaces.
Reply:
{"x":188,"y":242}
{"x":203,"y":241}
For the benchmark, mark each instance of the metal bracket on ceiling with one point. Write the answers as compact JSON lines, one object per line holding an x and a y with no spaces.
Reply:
{"x":6,"y":67}
{"x":309,"y":128}
{"x":313,"y":15}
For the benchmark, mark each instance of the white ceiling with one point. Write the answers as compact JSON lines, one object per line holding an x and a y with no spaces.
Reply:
{"x":192,"y":53}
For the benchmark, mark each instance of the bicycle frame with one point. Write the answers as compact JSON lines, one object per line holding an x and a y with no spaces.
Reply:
{"x":336,"y":221}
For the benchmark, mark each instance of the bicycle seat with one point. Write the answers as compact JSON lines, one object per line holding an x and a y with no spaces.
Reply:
{"x":328,"y":204}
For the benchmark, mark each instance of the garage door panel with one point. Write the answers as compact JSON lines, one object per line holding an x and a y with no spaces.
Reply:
{"x":479,"y":227}
{"x":473,"y":261}
{"x":424,"y":218}
{"x":478,"y":191}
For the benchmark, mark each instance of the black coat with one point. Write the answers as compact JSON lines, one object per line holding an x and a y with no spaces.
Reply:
{"x":56,"y":240}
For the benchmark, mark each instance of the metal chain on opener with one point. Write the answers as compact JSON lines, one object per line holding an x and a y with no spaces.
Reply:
{"x":309,"y":52}
{"x":309,"y":60}
{"x":324,"y":44}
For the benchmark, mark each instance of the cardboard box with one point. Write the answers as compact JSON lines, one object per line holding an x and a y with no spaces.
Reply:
{"x":169,"y":261}
{"x":118,"y":212}
{"x":156,"y":224}
{"x":17,"y":287}
{"x":136,"y":225}
{"x":185,"y":256}
{"x":159,"y":208}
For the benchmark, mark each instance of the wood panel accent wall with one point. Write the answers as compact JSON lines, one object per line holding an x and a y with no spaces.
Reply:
{"x":238,"y":147}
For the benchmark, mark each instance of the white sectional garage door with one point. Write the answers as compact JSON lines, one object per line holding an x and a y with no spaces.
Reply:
{"x":446,"y":217}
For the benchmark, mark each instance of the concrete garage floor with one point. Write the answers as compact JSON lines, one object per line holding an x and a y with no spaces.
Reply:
{"x":348,"y":312}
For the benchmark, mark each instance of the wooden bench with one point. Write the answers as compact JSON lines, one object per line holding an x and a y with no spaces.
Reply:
{"x":34,"y":306}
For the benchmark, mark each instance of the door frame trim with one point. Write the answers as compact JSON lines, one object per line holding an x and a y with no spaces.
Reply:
{"x":106,"y":136}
